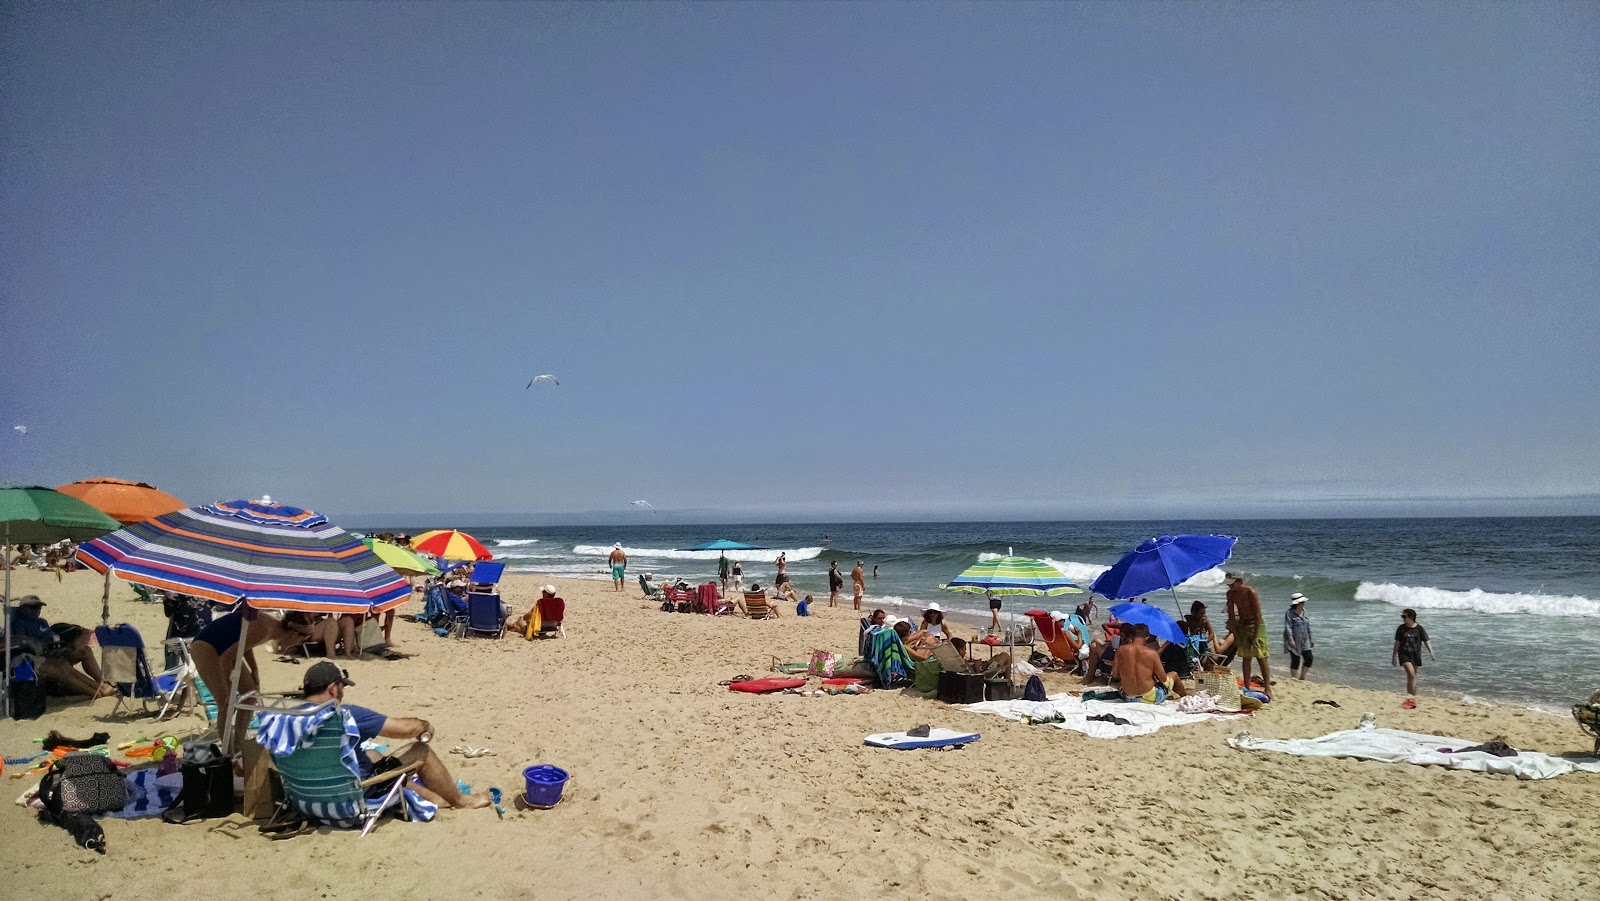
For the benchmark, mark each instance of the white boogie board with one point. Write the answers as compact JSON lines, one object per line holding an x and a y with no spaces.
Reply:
{"x":936,"y":738}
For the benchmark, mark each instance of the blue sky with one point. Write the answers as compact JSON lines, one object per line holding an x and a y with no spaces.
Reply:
{"x":815,"y":261}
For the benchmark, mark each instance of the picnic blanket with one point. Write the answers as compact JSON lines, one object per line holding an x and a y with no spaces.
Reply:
{"x":1395,"y":746}
{"x":1142,"y":719}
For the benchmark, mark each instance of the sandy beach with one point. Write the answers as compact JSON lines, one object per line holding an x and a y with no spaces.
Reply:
{"x":682,"y":789}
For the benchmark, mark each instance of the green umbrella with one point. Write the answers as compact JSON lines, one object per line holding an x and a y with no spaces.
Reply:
{"x":34,"y":515}
{"x":404,"y":562}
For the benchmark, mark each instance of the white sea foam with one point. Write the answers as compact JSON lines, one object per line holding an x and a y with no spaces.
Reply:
{"x":763,"y":556}
{"x":514,"y":542}
{"x":1477,"y":600}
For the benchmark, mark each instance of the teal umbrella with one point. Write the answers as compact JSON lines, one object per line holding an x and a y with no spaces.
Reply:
{"x":35,"y":515}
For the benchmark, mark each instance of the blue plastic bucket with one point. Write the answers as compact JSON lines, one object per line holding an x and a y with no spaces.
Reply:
{"x":544,"y":785}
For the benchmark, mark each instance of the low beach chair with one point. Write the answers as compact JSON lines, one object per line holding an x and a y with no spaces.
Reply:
{"x":651,"y":592}
{"x":314,"y":752}
{"x":552,"y":616}
{"x":484,"y":616}
{"x":179,"y":686}
{"x":1063,"y":646}
{"x":146,"y":595}
{"x":756,"y":605}
{"x":123,"y":664}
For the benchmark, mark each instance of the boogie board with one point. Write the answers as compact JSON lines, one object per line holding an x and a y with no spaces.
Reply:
{"x":936,"y":738}
{"x":762,"y":686}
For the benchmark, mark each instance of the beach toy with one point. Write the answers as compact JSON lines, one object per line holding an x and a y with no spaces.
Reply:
{"x":544,"y":785}
{"x":494,"y":798}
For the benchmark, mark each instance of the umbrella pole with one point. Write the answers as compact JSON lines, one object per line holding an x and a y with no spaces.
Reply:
{"x":105,"y":600}
{"x":233,"y":686}
{"x":5,"y":701}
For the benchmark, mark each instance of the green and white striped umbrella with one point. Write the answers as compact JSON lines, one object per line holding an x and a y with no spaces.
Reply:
{"x":1012,"y":575}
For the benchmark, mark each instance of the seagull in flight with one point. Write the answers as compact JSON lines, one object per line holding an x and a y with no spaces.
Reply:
{"x":20,"y":429}
{"x":542,"y":378}
{"x":644,"y":503}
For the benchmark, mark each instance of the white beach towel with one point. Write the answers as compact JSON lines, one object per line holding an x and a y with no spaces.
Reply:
{"x":1394,"y":746}
{"x":1143,"y":718}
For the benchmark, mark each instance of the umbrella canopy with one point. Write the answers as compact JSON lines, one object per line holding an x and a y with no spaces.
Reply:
{"x":269,"y":555}
{"x":401,"y":560}
{"x":452,"y":544}
{"x":122,"y":500}
{"x":723,"y":544}
{"x":1160,"y":624}
{"x":1012,"y":575}
{"x":35,"y":515}
{"x":1161,"y":564}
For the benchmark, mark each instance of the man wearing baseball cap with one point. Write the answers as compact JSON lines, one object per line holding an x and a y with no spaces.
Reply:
{"x":61,"y":649}
{"x":326,"y":682}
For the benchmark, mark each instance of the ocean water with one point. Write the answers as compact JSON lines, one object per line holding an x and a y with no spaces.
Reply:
{"x":1512,"y":604}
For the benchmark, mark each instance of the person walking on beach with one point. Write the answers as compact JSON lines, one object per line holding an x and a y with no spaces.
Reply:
{"x":858,"y":578}
{"x":619,"y":565}
{"x":738,"y":576}
{"x":835,"y":582}
{"x":722,"y":572}
{"x":1297,"y":637}
{"x":1244,"y":621}
{"x":1409,"y":640}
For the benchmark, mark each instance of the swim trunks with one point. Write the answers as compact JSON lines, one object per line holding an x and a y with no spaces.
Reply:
{"x":617,"y":570}
{"x":1250,"y":641}
{"x":1154,"y":696}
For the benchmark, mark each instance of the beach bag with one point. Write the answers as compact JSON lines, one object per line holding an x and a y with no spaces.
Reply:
{"x":822,"y":663}
{"x":83,"y":783}
{"x":263,"y":789}
{"x":207,"y":786}
{"x":27,"y":692}
{"x":1222,"y":686}
{"x":1034,"y":691}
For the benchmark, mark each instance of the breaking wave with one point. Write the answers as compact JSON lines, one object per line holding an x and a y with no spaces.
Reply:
{"x":1477,"y":600}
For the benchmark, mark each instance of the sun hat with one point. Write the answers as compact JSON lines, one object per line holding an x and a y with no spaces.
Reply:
{"x":1296,"y":599}
{"x":935,"y":606}
{"x":1057,"y":614}
{"x":321,"y":675}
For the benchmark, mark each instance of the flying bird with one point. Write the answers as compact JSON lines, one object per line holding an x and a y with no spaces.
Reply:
{"x":542,"y":378}
{"x":644,"y":503}
{"x":20,"y":429}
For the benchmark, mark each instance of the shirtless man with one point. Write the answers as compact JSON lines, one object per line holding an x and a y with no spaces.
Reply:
{"x":1250,"y":634}
{"x":619,"y":565}
{"x":1138,"y":668}
{"x":858,"y":576}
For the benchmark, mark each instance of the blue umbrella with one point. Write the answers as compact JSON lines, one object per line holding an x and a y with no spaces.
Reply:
{"x":1161,"y":564}
{"x":723,"y":544}
{"x":1160,"y":624}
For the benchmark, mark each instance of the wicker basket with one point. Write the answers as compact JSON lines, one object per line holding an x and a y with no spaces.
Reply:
{"x":1222,"y":686}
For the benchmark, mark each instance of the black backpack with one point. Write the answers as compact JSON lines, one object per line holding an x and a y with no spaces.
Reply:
{"x":27,"y":692}
{"x":83,"y":783}
{"x":1034,"y":691}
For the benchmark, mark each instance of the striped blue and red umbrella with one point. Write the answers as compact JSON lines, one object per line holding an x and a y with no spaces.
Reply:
{"x":271,"y":556}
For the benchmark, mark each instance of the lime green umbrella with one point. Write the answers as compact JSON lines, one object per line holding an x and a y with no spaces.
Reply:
{"x":35,"y":515}
{"x":404,"y":562}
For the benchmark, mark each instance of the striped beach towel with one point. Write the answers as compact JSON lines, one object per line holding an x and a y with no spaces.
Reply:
{"x":891,"y":662}
{"x":316,"y":758}
{"x":149,"y":793}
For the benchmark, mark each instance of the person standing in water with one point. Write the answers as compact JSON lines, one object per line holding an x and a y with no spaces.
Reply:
{"x":858,"y":577}
{"x":1250,"y":634}
{"x":835,"y":582}
{"x":1297,"y":637}
{"x":619,"y":565}
{"x":1409,"y":640}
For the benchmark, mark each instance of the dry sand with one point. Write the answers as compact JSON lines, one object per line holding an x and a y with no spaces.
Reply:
{"x":682,"y":789}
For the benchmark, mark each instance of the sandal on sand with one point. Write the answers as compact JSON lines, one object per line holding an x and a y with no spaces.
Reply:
{"x":1408,"y":704}
{"x":293,"y":830}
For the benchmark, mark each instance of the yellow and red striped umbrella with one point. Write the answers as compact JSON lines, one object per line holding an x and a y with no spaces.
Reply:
{"x":451,"y":545}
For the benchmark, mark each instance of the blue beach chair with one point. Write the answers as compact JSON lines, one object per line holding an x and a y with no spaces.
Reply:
{"x":484,"y":616}
{"x":122,"y":663}
{"x":485,"y":576}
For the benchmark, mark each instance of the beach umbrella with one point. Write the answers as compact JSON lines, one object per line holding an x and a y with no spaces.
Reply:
{"x":1162,"y":564}
{"x":1160,"y":624}
{"x":36,"y":515}
{"x":400,"y":559}
{"x":723,"y":544}
{"x":450,"y":543}
{"x":265,"y":555}
{"x":1011,"y":575}
{"x":122,"y":500}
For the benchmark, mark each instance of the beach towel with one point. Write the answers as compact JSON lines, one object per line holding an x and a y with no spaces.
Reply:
{"x":1075,"y":713}
{"x":1395,"y":746}
{"x":282,"y":734}
{"x":149,"y":793}
{"x":891,"y":662}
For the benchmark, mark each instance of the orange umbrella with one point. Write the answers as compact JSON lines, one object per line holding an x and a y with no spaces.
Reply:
{"x":126,"y":502}
{"x":451,"y":545}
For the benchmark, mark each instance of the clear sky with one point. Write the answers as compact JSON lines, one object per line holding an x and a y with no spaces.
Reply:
{"x":815,"y":261}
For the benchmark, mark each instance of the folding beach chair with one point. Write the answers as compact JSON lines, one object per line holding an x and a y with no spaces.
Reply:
{"x":552,"y":615}
{"x":179,"y":686}
{"x":123,"y":664}
{"x":483,"y":616}
{"x":1061,"y":645}
{"x":651,"y":592}
{"x":756,"y":606}
{"x":314,"y":752}
{"x":146,"y":595}
{"x":485,"y":578}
